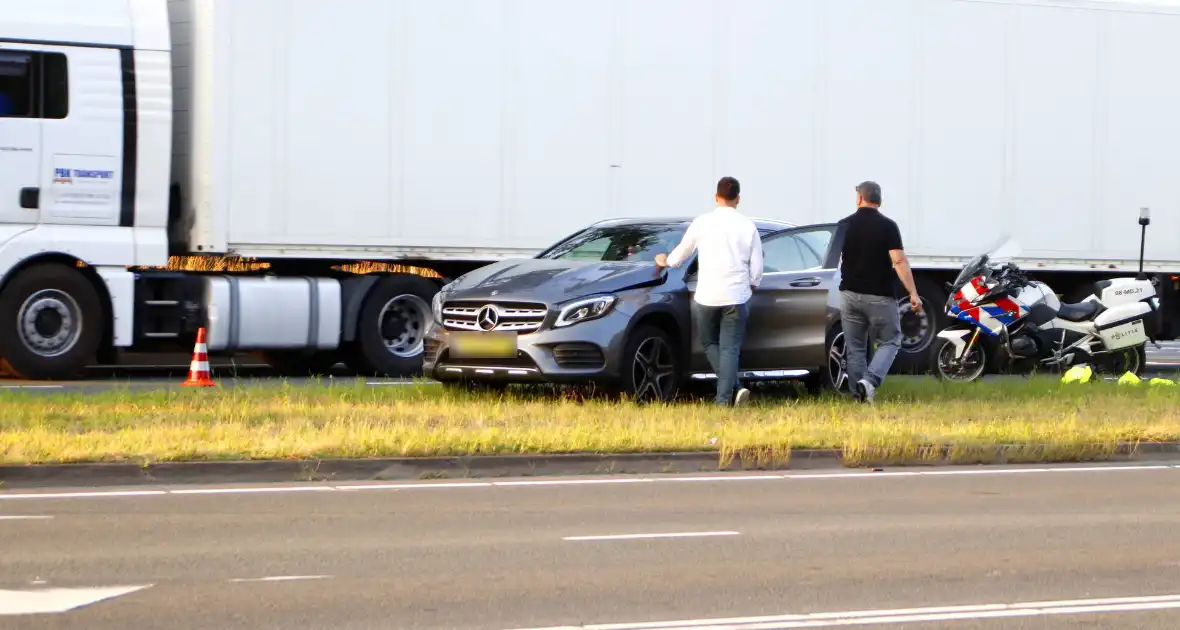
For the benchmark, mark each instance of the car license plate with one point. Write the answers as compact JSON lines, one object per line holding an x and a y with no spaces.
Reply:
{"x":483,"y":345}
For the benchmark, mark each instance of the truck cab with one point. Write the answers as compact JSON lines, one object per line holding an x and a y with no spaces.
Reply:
{"x":85,"y":148}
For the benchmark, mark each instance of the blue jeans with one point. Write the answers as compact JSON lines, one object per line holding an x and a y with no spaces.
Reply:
{"x":864,"y":316}
{"x":721,"y":330}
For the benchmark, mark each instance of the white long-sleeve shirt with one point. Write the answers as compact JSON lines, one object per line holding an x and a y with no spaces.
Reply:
{"x":730,"y":259}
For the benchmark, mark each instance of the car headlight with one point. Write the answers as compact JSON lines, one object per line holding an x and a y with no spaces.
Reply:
{"x":436,"y":307}
{"x":584,"y":310}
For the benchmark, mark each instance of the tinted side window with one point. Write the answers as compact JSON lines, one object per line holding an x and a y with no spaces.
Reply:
{"x":33,"y":85}
{"x":815,"y":244}
{"x":782,"y":253}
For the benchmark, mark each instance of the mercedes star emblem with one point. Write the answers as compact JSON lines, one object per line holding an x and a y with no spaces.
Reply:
{"x":487,"y":318}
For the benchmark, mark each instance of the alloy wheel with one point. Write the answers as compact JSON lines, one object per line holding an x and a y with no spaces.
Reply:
{"x":837,"y":363}
{"x":653,"y":371}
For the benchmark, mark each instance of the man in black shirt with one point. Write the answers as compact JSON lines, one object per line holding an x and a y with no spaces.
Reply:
{"x":872,"y":256}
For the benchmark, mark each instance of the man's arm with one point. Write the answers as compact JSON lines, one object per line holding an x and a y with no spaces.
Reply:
{"x":756,"y":266}
{"x":687,"y":246}
{"x":901,"y":265}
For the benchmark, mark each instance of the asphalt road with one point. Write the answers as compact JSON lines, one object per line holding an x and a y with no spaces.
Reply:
{"x":812,"y":550}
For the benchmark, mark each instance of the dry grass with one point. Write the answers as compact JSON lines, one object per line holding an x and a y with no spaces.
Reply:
{"x":914,"y":421}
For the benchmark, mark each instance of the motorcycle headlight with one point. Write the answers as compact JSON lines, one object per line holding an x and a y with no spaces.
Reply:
{"x":584,"y":310}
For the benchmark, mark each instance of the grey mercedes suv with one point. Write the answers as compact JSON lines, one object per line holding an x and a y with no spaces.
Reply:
{"x":595,"y":308}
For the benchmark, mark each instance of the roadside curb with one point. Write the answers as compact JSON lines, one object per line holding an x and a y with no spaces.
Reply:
{"x":495,"y":466}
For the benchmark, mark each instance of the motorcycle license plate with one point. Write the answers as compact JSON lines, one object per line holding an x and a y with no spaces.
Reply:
{"x":483,"y":345}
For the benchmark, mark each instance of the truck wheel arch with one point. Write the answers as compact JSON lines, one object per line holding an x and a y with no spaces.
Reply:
{"x":91,"y":299}
{"x":88,"y":272}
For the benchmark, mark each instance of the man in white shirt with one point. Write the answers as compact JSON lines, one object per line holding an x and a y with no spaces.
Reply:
{"x":729,"y":269}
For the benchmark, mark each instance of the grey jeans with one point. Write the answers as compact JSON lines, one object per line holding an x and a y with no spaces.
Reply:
{"x":866,"y":319}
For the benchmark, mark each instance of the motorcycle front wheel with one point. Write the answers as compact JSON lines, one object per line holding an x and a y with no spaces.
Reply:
{"x":969,"y":367}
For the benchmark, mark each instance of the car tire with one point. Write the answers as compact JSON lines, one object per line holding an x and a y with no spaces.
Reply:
{"x":53,"y":300}
{"x":392,"y":327}
{"x":651,"y":367}
{"x":833,"y":374}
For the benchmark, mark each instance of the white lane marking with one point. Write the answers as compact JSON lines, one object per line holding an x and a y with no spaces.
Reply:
{"x":572,"y":482}
{"x":901,"y":615}
{"x":1110,"y":468}
{"x":283,"y":578}
{"x":731,"y":478}
{"x":32,"y":386}
{"x":265,"y":489}
{"x":642,"y":536}
{"x":85,"y":495}
{"x":357,"y":486}
{"x":24,"y":518}
{"x":406,"y":486}
{"x":58,"y":600}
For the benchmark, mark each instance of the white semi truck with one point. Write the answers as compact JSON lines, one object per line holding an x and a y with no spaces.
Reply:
{"x":140,"y":139}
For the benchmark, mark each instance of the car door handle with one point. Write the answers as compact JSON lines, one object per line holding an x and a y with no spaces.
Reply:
{"x":30,"y":198}
{"x":806,"y":282}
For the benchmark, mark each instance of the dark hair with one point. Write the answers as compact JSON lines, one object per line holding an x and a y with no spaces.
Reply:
{"x":728,"y":188}
{"x":870,"y":191}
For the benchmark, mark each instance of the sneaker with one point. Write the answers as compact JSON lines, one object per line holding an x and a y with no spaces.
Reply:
{"x":865,"y":391}
{"x":742,"y":398}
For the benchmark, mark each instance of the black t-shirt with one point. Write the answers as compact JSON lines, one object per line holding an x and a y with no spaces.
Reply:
{"x":867,"y":267}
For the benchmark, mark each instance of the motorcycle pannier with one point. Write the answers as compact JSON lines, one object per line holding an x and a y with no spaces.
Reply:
{"x":1123,"y":326}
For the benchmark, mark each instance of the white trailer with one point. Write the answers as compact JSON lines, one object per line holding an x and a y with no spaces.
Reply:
{"x":445,"y":135}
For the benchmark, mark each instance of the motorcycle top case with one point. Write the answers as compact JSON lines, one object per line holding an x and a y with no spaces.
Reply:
{"x":1123,"y":326}
{"x":1119,"y":291}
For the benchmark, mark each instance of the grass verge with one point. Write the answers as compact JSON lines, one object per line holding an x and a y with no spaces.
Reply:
{"x":913,"y":421}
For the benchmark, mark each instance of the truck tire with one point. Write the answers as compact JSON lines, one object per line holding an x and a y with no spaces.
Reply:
{"x":918,"y":331}
{"x":392,"y":326}
{"x":51,"y":323}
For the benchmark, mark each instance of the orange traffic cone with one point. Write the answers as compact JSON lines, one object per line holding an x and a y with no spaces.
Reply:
{"x":198,"y":371}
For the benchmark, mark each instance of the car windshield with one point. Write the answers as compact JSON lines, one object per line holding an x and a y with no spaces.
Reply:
{"x":621,"y":243}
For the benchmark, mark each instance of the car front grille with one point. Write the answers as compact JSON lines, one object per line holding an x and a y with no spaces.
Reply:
{"x":499,"y":317}
{"x":579,"y":356}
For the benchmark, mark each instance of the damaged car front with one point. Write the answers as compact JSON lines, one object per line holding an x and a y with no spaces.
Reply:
{"x":570,"y":315}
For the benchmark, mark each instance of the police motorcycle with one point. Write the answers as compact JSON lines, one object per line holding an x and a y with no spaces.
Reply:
{"x":1006,"y":320}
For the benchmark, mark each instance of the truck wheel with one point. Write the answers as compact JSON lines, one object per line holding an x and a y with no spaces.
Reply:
{"x":918,"y":330}
{"x":391,"y":331}
{"x":301,"y":363}
{"x":51,"y":323}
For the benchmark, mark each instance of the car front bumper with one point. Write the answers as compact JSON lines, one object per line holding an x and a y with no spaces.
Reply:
{"x":585,"y":352}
